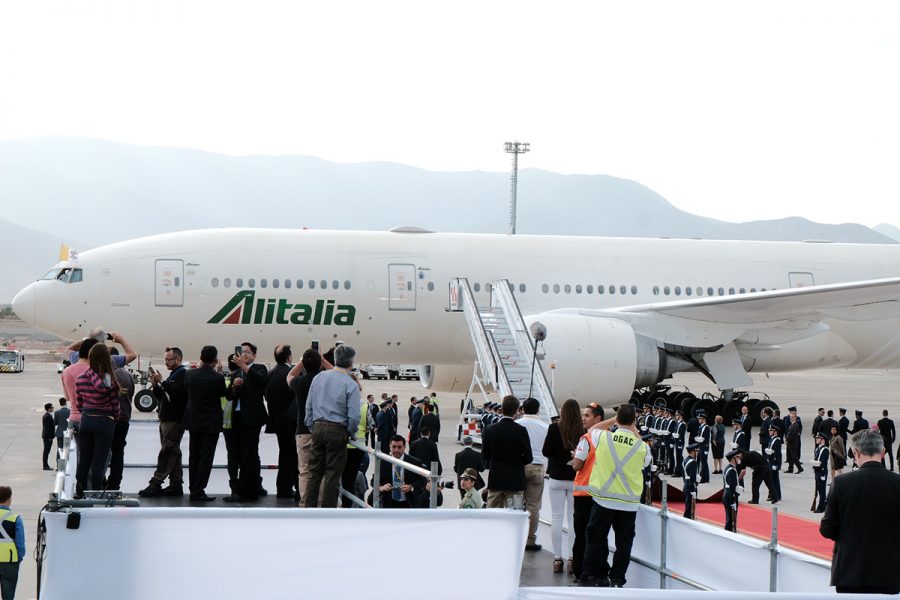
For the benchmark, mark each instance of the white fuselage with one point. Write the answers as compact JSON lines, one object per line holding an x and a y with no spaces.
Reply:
{"x":386,"y":293}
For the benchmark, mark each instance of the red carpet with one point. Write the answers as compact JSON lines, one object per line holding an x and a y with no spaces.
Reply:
{"x":796,"y":533}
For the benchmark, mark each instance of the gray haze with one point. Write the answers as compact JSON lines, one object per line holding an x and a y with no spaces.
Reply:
{"x":99,"y":192}
{"x":889,"y":230}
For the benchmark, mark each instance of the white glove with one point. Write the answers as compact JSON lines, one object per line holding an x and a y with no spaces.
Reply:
{"x":697,"y":478}
{"x":698,"y":438}
{"x":774,"y":468}
{"x":734,"y":507}
{"x":676,"y":436}
{"x":769,"y":451}
{"x":643,"y":428}
{"x":653,"y":468}
{"x":817,"y":463}
{"x":734,"y":444}
{"x":739,"y":489}
{"x":666,"y":432}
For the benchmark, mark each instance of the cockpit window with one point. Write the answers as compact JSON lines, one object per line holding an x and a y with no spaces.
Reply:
{"x":68,"y":275}
{"x":51,"y":274}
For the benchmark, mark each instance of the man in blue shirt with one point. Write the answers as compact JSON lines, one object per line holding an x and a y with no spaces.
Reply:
{"x":333,"y":414}
{"x":12,"y":545}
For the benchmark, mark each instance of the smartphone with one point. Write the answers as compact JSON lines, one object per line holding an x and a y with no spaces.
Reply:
{"x":151,"y":370}
{"x":238,"y":351}
{"x":315,"y":345}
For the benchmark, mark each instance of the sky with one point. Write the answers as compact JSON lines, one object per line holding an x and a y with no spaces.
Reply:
{"x":733,"y":110}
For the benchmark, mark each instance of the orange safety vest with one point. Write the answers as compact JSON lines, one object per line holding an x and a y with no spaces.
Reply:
{"x":583,"y":477}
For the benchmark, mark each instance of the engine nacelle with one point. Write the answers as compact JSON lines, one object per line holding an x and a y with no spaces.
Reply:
{"x":446,"y":378}
{"x":600,"y":359}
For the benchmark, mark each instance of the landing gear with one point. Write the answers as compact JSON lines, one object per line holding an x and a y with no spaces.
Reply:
{"x":728,"y":403}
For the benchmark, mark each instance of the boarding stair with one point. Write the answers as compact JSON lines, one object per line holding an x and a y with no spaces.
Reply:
{"x":507,"y":357}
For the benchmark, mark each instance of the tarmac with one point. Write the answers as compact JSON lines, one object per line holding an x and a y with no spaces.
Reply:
{"x":22,"y":396}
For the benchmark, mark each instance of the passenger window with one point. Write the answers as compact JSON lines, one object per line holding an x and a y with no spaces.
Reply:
{"x":312,"y":284}
{"x":730,"y":291}
{"x":430,"y":286}
{"x":238,"y":283}
{"x":287,"y":284}
{"x":590,"y":289}
{"x":263,"y":283}
{"x":634,"y":290}
{"x":710,"y":292}
{"x":689,"y":291}
{"x":477,"y":287}
{"x":347,"y":285}
{"x":752,"y":290}
{"x":251,"y":283}
{"x":568,"y":288}
{"x":699,"y":291}
{"x":656,"y":290}
{"x":555,"y":288}
{"x":743,"y":291}
{"x":667,"y":290}
{"x":578,"y":289}
{"x":677,"y":290}
{"x":721,"y":291}
{"x":623,"y":290}
{"x":323,"y":284}
{"x":335,"y":284}
{"x":214,"y":282}
{"x":275,"y":283}
{"x":299,"y":284}
{"x":522,"y":288}
{"x":601,"y":289}
{"x":545,"y":288}
{"x":227,"y":282}
{"x":612,"y":289}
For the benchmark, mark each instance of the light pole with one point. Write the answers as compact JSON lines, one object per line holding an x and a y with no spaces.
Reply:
{"x":514,"y":148}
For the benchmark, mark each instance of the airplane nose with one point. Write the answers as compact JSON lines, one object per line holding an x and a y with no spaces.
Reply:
{"x":23,"y":304}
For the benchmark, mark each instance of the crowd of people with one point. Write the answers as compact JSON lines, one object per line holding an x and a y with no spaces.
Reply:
{"x":597,"y":470}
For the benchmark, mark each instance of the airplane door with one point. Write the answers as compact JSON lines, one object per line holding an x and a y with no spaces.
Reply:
{"x":801,"y":279}
{"x":169,"y":282}
{"x":402,"y":287}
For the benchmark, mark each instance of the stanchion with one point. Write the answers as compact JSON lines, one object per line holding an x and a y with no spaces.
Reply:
{"x":663,"y":528}
{"x":773,"y":552}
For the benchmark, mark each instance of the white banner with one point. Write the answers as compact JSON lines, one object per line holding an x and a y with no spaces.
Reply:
{"x":270,"y":553}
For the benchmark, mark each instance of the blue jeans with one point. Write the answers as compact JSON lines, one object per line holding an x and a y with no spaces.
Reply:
{"x":94,"y":441}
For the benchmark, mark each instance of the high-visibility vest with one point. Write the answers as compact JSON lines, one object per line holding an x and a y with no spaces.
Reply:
{"x":583,"y":477}
{"x":226,"y":411}
{"x":363,"y":428}
{"x":618,"y":475}
{"x":8,"y":551}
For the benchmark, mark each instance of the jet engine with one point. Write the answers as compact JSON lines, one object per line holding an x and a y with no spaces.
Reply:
{"x":446,"y":378}
{"x":600,"y":358}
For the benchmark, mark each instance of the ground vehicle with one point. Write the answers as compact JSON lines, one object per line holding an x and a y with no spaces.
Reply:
{"x":404,"y":371}
{"x":11,"y":361}
{"x":375,"y":371}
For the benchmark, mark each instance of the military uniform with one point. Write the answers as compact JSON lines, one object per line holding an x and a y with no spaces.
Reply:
{"x":691,"y":477}
{"x":703,"y":437}
{"x":773,"y":456}
{"x":730,"y":492}
{"x":820,"y":470}
{"x":679,"y":438}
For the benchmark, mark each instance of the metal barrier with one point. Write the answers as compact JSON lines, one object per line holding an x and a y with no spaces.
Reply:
{"x":431,"y":475}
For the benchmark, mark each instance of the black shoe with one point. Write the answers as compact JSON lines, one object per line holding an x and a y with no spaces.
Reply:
{"x":789,"y":471}
{"x":202,"y":497}
{"x":532,"y":547}
{"x":173,"y":490}
{"x":616,"y":583}
{"x":262,"y":491}
{"x":284,"y":495}
{"x":590,"y":581}
{"x":799,"y":470}
{"x":819,"y":510}
{"x":753,"y":502}
{"x":150,"y":491}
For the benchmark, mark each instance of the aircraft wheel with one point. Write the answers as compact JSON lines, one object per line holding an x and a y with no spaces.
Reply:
{"x":756,"y":411}
{"x":145,"y":401}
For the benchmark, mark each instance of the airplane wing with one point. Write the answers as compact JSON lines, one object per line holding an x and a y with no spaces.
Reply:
{"x":715,"y":327}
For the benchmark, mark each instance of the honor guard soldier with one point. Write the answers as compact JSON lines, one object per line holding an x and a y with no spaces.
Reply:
{"x":648,"y":470}
{"x":773,"y":455}
{"x":679,"y":438}
{"x":691,"y":477}
{"x":703,"y":438}
{"x":643,"y":424}
{"x":739,"y":436}
{"x":670,"y":442}
{"x":820,"y":470}
{"x":731,"y":489}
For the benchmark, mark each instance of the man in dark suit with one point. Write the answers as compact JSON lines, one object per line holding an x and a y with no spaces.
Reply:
{"x":843,"y":424}
{"x":384,"y":425}
{"x":430,"y":420}
{"x":506,"y":447}
{"x":172,"y":398}
{"x":746,"y":421}
{"x":764,"y":428}
{"x":283,"y":422}
{"x":889,"y":435}
{"x":203,"y":419}
{"x":425,"y":450}
{"x":817,"y":422}
{"x":399,"y":487}
{"x":248,"y":386}
{"x":468,"y":458}
{"x":862,"y":516}
{"x":48,"y":432}
{"x":61,"y":420}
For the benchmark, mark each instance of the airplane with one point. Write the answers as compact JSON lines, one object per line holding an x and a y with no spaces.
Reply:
{"x":621,"y":313}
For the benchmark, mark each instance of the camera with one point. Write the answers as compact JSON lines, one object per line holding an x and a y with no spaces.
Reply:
{"x":446,"y":485}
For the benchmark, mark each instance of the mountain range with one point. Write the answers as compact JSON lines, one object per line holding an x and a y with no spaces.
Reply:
{"x":55,"y":189}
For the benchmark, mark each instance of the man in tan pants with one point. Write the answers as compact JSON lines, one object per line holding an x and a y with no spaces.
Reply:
{"x":534,"y":472}
{"x":505,"y":447}
{"x":310,"y":366}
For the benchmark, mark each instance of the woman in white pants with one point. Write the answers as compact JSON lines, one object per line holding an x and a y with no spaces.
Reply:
{"x":559,"y":446}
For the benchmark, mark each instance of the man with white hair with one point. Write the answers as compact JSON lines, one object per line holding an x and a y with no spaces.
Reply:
{"x":333,"y":415}
{"x":862,"y":516}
